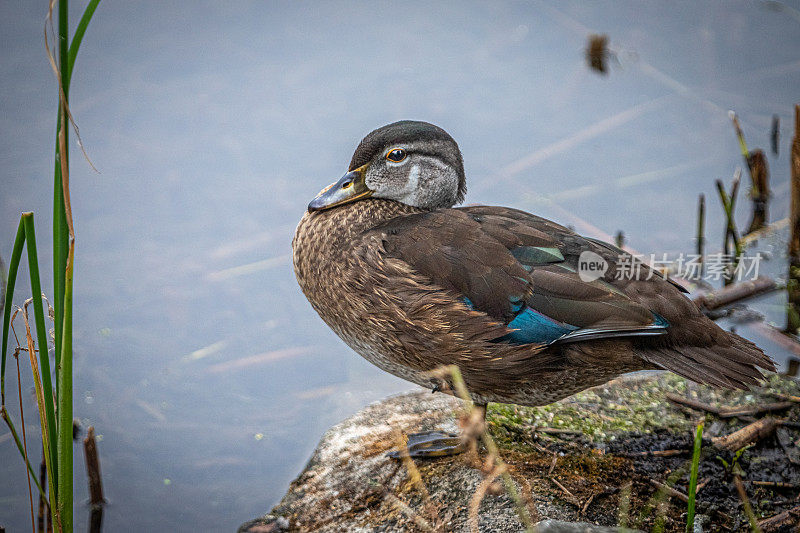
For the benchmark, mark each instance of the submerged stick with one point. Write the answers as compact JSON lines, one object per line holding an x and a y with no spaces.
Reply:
{"x":93,"y":468}
{"x":736,"y":293}
{"x":701,"y":228}
{"x":759,"y":193}
{"x":597,"y":53}
{"x":775,"y":134}
{"x":739,"y":135}
{"x":731,"y":233}
{"x":619,"y":239}
{"x":759,"y":176}
{"x":95,"y":481}
{"x":793,"y":285}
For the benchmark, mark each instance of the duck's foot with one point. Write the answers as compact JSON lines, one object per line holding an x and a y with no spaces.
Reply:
{"x":431,"y":444}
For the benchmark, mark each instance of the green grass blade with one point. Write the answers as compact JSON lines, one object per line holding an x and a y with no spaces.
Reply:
{"x":7,"y":418}
{"x":13,"y":266}
{"x":63,"y":40}
{"x":60,"y":232}
{"x":698,"y":444}
{"x":77,"y":38}
{"x":60,"y":241}
{"x":41,"y":334}
{"x":3,"y":281}
{"x":65,"y":403}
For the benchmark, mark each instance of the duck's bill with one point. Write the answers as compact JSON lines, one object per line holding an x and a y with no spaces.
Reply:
{"x":350,"y":188}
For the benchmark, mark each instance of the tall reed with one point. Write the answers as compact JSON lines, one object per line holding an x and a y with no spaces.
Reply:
{"x":55,"y":405}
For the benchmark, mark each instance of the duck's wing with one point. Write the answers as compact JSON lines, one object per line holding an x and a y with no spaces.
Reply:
{"x":521,"y":270}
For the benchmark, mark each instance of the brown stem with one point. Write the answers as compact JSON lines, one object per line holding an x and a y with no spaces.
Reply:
{"x":24,"y":438}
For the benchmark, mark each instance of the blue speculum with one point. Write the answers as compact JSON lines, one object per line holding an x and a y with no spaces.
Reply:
{"x":533,"y":327}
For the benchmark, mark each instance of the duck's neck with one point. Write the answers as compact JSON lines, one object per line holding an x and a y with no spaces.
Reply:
{"x":324,"y":237}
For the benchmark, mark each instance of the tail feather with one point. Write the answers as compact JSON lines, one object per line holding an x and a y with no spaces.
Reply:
{"x":734,"y":364}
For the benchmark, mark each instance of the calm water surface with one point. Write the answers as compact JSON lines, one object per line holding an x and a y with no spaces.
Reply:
{"x":198,"y":360}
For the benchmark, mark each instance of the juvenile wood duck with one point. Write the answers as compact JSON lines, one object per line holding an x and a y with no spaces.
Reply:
{"x":412,"y":283}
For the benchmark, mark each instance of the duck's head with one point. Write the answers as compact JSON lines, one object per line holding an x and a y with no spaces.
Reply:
{"x":411,"y":162}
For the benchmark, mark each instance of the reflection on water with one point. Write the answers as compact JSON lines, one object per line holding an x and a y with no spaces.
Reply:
{"x":205,"y":372}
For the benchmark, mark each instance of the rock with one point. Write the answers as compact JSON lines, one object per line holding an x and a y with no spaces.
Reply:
{"x":557,"y":526}
{"x":575,"y":462}
{"x":265,"y":524}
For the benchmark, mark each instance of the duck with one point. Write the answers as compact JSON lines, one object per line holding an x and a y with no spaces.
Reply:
{"x":528,"y":310}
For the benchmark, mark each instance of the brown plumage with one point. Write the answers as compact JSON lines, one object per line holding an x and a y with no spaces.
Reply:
{"x":413,"y":287}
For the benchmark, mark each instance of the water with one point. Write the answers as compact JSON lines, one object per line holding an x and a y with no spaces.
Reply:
{"x":198,"y":361}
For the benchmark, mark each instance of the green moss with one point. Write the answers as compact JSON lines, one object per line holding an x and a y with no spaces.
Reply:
{"x":632,"y":405}
{"x":598,"y":414}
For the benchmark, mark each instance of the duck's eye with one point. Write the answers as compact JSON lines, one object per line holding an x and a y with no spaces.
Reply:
{"x":396,"y":155}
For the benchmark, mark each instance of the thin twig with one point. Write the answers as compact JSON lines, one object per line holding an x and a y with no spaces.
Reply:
{"x":556,"y":431}
{"x":586,"y":505}
{"x":553,"y":464}
{"x":522,"y":511}
{"x":566,"y":491}
{"x":776,"y":484}
{"x":694,"y":404}
{"x":477,"y":497}
{"x":670,"y":491}
{"x":729,"y":412}
{"x":781,"y":520}
{"x":755,"y":410}
{"x":786,"y":397}
{"x":659,"y":453}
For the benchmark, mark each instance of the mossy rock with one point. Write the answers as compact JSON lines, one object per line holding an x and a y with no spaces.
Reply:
{"x":595,"y":457}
